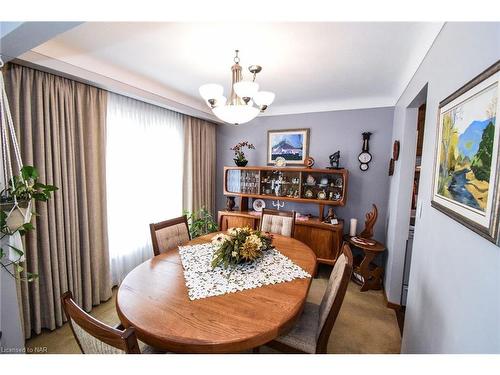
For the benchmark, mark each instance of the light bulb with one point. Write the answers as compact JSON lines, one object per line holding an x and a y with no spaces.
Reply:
{"x":211,"y":91}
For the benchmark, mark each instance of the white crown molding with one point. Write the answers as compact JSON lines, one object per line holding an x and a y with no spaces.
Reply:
{"x":330,"y":106}
{"x":134,"y":86}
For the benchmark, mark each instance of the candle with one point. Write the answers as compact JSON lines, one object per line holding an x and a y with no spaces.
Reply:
{"x":352,"y":231}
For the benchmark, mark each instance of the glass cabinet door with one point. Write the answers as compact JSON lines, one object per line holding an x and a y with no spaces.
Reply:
{"x":280,"y":183}
{"x":242,"y":181}
{"x":322,"y":186}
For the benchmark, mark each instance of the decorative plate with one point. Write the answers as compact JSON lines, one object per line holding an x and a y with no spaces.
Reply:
{"x":280,"y":161}
{"x":258,"y":205}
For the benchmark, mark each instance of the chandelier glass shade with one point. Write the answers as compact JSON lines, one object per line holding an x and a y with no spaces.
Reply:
{"x":240,"y":107}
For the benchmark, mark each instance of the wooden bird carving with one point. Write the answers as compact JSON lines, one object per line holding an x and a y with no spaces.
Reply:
{"x":371,"y":218}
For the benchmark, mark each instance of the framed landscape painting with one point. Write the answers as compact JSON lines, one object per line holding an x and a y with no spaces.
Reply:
{"x":467,"y":161}
{"x":291,"y":144}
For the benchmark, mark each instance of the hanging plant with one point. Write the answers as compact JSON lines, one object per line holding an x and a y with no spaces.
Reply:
{"x":16,"y":210}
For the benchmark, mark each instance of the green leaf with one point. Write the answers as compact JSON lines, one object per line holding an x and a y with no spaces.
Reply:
{"x":40,"y":197}
{"x":29,"y":172}
{"x":2,"y":252}
{"x":28,"y":226}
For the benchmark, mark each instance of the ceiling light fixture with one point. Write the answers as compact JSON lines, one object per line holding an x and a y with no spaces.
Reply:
{"x":240,"y":106}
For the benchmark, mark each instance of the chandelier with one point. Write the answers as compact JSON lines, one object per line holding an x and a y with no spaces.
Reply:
{"x":239,"y":108}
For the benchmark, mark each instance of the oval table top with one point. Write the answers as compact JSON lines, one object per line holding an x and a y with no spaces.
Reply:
{"x":153,"y":298}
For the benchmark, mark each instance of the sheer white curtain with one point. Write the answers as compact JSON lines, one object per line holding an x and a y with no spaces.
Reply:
{"x":144,"y":161}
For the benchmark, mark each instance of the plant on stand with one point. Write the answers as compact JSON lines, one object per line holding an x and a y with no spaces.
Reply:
{"x":16,"y":201}
{"x":240,"y":159}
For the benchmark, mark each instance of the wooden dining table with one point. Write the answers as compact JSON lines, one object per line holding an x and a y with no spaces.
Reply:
{"x":153,"y":298}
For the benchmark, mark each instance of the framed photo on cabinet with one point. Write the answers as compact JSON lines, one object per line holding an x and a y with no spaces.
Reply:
{"x":467,"y":157}
{"x":290,"y":144}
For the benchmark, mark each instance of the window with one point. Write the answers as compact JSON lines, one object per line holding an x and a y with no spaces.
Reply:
{"x":144,"y":168}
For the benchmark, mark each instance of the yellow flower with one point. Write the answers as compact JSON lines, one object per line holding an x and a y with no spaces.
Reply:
{"x":250,"y":249}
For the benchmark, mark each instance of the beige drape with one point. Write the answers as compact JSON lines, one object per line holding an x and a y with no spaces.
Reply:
{"x":199,"y":164}
{"x":60,"y":125}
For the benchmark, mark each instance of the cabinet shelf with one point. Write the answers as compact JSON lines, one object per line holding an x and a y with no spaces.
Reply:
{"x":287,"y":183}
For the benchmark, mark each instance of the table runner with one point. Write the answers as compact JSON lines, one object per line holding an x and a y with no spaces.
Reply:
{"x":202,"y":281}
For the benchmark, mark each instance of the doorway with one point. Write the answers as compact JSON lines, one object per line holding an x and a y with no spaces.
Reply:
{"x":416,"y":182}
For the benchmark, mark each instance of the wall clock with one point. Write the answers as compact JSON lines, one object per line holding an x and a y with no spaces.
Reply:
{"x":365,"y":157}
{"x":395,"y":150}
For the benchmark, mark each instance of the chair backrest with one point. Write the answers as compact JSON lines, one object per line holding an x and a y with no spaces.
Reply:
{"x":95,"y":337}
{"x":333,"y":297}
{"x":169,"y":234}
{"x":280,"y":222}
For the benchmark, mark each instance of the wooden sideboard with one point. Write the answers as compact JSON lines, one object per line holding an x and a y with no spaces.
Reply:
{"x":324,"y":239}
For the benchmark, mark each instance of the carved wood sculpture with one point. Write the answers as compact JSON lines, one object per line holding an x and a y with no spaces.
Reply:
{"x":371,"y":219}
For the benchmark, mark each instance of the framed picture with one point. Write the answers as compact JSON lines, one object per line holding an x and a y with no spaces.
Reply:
{"x":291,"y":144}
{"x":467,"y":158}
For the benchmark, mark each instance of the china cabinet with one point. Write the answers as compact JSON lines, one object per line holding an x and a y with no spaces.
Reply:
{"x":324,"y":187}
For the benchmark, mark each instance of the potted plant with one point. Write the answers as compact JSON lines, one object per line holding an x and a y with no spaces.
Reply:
{"x":16,"y":210}
{"x":240,"y":159}
{"x":201,"y":223}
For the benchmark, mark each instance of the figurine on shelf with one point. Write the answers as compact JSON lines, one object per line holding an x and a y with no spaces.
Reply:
{"x":331,"y":218}
{"x":334,"y":160}
{"x":371,"y":219}
{"x":230,"y":203}
{"x":310,"y":180}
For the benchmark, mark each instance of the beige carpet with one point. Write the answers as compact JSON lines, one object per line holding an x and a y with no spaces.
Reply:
{"x":364,"y":324}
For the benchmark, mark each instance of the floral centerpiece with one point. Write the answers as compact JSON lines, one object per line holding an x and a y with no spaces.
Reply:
{"x":240,"y":159}
{"x":239,"y":245}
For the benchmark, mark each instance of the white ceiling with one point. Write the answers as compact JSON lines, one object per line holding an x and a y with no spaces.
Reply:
{"x":310,"y":66}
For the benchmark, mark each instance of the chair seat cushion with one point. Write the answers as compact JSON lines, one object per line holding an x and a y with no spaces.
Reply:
{"x":303,"y":335}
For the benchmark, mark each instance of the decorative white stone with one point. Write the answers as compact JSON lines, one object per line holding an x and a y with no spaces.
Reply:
{"x":204,"y":281}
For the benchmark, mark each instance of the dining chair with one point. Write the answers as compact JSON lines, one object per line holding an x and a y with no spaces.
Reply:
{"x":95,"y":337}
{"x":279,"y":222}
{"x":169,"y":234}
{"x":312,"y":331}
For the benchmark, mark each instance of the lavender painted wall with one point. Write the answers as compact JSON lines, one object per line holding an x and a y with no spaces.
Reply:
{"x":453,"y":303}
{"x":330,"y":131}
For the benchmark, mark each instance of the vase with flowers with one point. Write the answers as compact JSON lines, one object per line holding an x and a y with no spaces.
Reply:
{"x":239,"y":158}
{"x":239,"y":245}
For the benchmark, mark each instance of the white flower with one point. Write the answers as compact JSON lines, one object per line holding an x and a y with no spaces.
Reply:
{"x":234,"y":254}
{"x":219,"y":239}
{"x":233,"y":231}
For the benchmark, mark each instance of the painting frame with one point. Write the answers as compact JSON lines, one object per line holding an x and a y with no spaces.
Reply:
{"x":277,"y":133}
{"x":483,"y":219}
